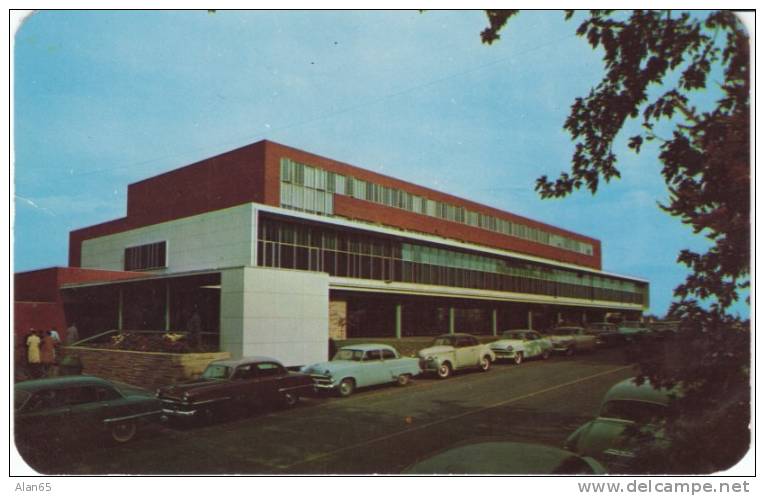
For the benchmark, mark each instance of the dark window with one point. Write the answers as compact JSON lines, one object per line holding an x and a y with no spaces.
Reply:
{"x":268,"y":369}
{"x":388,"y":355}
{"x":372,"y":355}
{"x":151,"y":256}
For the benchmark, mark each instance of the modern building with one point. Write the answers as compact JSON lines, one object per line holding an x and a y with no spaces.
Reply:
{"x":277,"y":249}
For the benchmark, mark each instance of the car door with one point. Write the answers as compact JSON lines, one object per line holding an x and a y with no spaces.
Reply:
{"x":372,"y":369}
{"x":533,"y":344}
{"x":466,"y":351}
{"x":392,"y":364}
{"x":43,"y":418}
{"x":244,"y":387}
{"x":269,"y":380}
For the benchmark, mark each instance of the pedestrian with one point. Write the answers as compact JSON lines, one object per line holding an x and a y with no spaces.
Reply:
{"x":72,"y":334}
{"x":47,"y":352}
{"x":33,"y":353}
{"x":54,"y":334}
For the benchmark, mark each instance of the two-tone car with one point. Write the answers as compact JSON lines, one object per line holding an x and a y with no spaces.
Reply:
{"x":450,"y":352}
{"x":70,"y":408}
{"x":248,"y":383}
{"x":362,"y":365}
{"x":571,"y":339}
{"x":519,"y":344}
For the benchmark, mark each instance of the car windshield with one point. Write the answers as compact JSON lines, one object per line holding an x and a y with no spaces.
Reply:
{"x":20,"y":398}
{"x":216,"y":371}
{"x":353,"y":355}
{"x":514,"y":335}
{"x":443,"y":341}
{"x":641,"y":412}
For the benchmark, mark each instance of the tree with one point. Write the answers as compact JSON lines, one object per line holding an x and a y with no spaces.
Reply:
{"x":706,"y":166}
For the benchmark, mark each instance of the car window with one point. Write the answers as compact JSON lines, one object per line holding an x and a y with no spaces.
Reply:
{"x":268,"y":369}
{"x":45,"y":400}
{"x":372,"y":355}
{"x":532,"y":336}
{"x":216,"y":371}
{"x":346,"y":354}
{"x":513,"y":335}
{"x":79,"y":395}
{"x":105,"y":393}
{"x":388,"y":355}
{"x":636,"y":411}
{"x":444,"y":341}
{"x":463,"y":342}
{"x":245,"y":372}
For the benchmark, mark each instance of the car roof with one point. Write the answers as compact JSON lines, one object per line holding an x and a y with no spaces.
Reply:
{"x":456,"y":334}
{"x":59,"y":382}
{"x":519,"y":330}
{"x":235,"y":362}
{"x":628,"y":390}
{"x":367,"y":347}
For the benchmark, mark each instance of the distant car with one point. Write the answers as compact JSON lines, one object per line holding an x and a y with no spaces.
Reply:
{"x":248,"y":382}
{"x":72,"y":407}
{"x":520,"y":344}
{"x":634,"y":331}
{"x":450,"y":352}
{"x":606,"y":334}
{"x":626,"y":408}
{"x":570,"y":339}
{"x":506,"y":458}
{"x":363,"y":365}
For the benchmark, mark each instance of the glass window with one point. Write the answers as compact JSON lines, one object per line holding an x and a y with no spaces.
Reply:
{"x":372,"y":355}
{"x":388,"y":354}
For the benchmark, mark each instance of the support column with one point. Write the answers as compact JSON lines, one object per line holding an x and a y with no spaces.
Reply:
{"x":584,"y":318}
{"x":119,"y":310}
{"x":398,"y":320}
{"x":531,"y":320}
{"x":493,"y":321}
{"x":559,"y":319}
{"x":451,"y":320}
{"x":167,"y":305}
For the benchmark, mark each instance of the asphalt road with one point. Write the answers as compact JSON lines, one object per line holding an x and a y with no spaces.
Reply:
{"x":380,"y":430}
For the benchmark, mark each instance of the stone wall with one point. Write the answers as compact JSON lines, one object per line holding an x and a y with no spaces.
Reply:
{"x":338,"y":310}
{"x":149,"y":370}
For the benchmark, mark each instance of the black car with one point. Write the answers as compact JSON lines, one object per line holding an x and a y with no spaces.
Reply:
{"x":75,"y":407}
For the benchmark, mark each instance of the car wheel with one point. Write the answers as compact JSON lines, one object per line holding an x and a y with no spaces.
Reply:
{"x":445,"y":370}
{"x":290,"y":399}
{"x":403,"y":379}
{"x":346,"y":387}
{"x":545,"y":354}
{"x":485,"y":363}
{"x":518,"y":359}
{"x":122,"y":432}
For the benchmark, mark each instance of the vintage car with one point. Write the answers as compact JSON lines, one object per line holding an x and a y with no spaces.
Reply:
{"x":570,"y":339}
{"x":606,"y":333}
{"x":72,"y":407}
{"x":450,"y":352}
{"x":628,"y":409}
{"x":249,"y":382}
{"x":363,"y":365}
{"x":634,"y":331}
{"x":499,"y":457}
{"x":518,"y":345}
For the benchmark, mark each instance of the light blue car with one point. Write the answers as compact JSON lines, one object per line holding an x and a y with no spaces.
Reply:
{"x":363,"y":365}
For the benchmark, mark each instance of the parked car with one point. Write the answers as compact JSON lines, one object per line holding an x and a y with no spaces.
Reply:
{"x":363,"y":365}
{"x":627,"y":409}
{"x":520,"y":344}
{"x":606,"y":334}
{"x":506,"y":458}
{"x":72,"y":407}
{"x":248,"y":383}
{"x":570,"y":339}
{"x":634,"y":331}
{"x":450,"y":352}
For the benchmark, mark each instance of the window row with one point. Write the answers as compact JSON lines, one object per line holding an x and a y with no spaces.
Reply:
{"x":143,"y":257}
{"x":306,"y":177}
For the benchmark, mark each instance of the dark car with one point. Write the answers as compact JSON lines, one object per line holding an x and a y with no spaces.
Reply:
{"x":70,"y":408}
{"x":606,"y":334}
{"x":249,"y":382}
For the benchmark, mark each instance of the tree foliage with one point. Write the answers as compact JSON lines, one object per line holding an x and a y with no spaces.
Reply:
{"x":656,"y":64}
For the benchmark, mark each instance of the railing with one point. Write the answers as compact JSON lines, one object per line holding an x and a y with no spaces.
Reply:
{"x":97,"y":337}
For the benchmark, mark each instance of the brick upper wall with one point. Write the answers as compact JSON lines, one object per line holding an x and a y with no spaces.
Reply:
{"x":251,"y":174}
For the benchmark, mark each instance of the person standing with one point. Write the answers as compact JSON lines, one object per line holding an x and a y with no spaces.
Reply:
{"x":33,"y":353}
{"x":72,"y":335}
{"x":47,"y":352}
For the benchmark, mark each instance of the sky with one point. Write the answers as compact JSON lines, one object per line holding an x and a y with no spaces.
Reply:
{"x":103,"y":99}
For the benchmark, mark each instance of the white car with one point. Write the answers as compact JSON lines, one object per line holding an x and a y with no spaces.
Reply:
{"x":518,"y":345}
{"x":571,"y":339}
{"x":450,"y":352}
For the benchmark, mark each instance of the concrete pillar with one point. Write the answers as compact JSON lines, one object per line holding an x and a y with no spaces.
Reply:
{"x":119,"y":309}
{"x":493,"y":321}
{"x":584,"y":318}
{"x":398,"y":320}
{"x":167,"y":305}
{"x":560,"y":318}
{"x":531,"y":320}
{"x":451,"y":320}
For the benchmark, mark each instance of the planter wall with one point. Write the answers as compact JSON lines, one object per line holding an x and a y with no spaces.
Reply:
{"x":144,"y":369}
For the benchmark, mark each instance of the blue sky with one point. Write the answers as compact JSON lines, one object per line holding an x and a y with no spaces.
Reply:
{"x":103,"y":99}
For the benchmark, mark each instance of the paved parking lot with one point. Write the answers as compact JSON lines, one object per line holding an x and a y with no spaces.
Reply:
{"x":380,"y":430}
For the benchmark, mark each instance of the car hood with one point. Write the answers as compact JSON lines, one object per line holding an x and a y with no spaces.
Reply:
{"x":435,"y":350}
{"x":332,"y":367}
{"x":195,"y":387}
{"x":504,"y":343}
